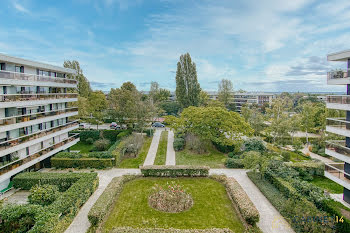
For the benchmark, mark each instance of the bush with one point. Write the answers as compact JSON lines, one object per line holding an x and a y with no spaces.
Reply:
{"x":308,"y":169}
{"x":174,"y":171}
{"x":43,"y":194}
{"x":107,"y":198}
{"x":133,"y":144}
{"x":179,"y":144}
{"x":149,"y":132}
{"x":102,"y":144}
{"x":254,"y":144}
{"x":90,"y":141}
{"x":286,"y":156}
{"x":234,"y":163}
{"x":195,"y":144}
{"x":123,"y":134}
{"x":241,"y":199}
{"x":223,"y":148}
{"x":99,"y":163}
{"x":231,"y":155}
{"x":87,"y":135}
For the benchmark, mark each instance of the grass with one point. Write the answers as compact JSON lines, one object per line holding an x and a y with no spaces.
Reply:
{"x":213,"y":158}
{"x":82,"y":147}
{"x":212,"y":208}
{"x":162,"y":147}
{"x":294,"y":156}
{"x":327,"y":184}
{"x":139,"y":160}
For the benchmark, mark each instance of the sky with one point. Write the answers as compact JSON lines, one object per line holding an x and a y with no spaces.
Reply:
{"x":265,"y":45}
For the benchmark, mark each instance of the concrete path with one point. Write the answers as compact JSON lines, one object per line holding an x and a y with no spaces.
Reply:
{"x":271,"y":221}
{"x":170,"y":152}
{"x":81,"y":222}
{"x":305,"y":151}
{"x":339,"y":198}
{"x":151,"y":155}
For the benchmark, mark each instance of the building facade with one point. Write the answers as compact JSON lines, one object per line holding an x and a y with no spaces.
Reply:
{"x":35,"y":114}
{"x":339,"y":149}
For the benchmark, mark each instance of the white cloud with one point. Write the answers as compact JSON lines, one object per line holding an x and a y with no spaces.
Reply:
{"x":20,"y":8}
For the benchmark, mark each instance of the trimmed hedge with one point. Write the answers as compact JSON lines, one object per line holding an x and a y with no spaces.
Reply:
{"x":58,"y":215}
{"x":81,"y":163}
{"x":108,"y":197}
{"x":245,"y":206}
{"x":308,"y":169}
{"x":234,"y":163}
{"x":283,"y":186}
{"x":111,"y":135}
{"x":170,"y":230}
{"x":174,"y":171}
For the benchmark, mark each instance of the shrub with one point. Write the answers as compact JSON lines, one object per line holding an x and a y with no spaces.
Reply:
{"x":223,"y":148}
{"x":149,"y":132}
{"x":111,"y":135}
{"x":179,"y":144}
{"x":254,"y":144}
{"x":107,"y":198}
{"x":194,"y":143}
{"x":286,"y":156}
{"x":43,"y":194}
{"x":308,"y":169}
{"x":174,"y":171}
{"x":123,"y":134}
{"x":133,"y":144}
{"x":102,"y":144}
{"x":99,"y":163}
{"x":90,"y":141}
{"x":234,"y":163}
{"x":231,"y":155}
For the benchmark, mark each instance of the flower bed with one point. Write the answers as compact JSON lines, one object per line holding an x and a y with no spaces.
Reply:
{"x":172,"y":198}
{"x":174,"y":171}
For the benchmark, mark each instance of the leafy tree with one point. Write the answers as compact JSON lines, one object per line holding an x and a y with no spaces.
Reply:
{"x":83,"y":107}
{"x":254,"y":144}
{"x":97,"y":105}
{"x":170,"y":108}
{"x":212,"y":123}
{"x":307,"y":118}
{"x":187,"y":86}
{"x":84,"y":88}
{"x":255,"y":161}
{"x":254,"y":118}
{"x":225,"y":92}
{"x":203,"y":98}
{"x":295,"y":124}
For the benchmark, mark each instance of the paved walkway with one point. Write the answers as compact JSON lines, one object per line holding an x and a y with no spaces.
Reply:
{"x":271,"y":221}
{"x":151,"y":155}
{"x":339,"y":198}
{"x":305,"y":150}
{"x":170,"y":152}
{"x":81,"y":222}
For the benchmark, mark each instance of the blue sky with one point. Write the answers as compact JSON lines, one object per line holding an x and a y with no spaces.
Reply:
{"x":266,"y":45}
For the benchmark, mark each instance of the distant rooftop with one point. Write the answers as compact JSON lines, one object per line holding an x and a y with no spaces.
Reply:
{"x":339,"y":56}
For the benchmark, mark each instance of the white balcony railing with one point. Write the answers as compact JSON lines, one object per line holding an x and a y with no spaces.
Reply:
{"x":34,"y":77}
{"x":31,"y":97}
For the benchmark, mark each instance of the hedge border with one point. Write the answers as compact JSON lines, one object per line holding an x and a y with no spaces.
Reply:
{"x":82,"y":163}
{"x":174,"y":171}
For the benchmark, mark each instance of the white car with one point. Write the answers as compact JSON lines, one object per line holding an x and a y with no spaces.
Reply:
{"x":84,"y":126}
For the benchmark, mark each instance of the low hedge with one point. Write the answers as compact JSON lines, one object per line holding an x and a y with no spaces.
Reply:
{"x":81,"y":163}
{"x":58,"y":215}
{"x":245,"y":206}
{"x":308,"y":169}
{"x":283,"y":186}
{"x":174,"y":171}
{"x":234,"y":163}
{"x":170,"y":230}
{"x":107,"y":198}
{"x":111,"y":135}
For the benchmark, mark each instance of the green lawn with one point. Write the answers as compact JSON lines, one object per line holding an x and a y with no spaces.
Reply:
{"x":327,"y":184}
{"x":82,"y":147}
{"x":212,"y":208}
{"x":139,"y":160}
{"x":213,"y":158}
{"x":162,"y":147}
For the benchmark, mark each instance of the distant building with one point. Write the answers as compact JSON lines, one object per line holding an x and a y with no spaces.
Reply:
{"x":339,"y":149}
{"x":34,"y":114}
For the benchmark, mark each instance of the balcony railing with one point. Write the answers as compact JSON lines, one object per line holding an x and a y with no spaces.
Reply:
{"x":337,"y":74}
{"x":31,"y":97}
{"x":337,"y":170}
{"x":338,"y":146}
{"x":33,"y":77}
{"x":34,"y":116}
{"x":16,"y":141}
{"x":10,"y":166}
{"x":340,"y":123}
{"x":338,"y":99}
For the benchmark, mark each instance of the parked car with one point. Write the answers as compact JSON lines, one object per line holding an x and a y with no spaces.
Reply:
{"x":84,"y":126}
{"x":158,"y":125}
{"x":114,"y":125}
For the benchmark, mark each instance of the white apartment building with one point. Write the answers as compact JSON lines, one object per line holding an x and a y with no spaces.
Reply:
{"x":339,"y":149}
{"x":35,"y":114}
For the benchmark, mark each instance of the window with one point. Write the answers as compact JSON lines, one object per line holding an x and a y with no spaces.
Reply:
{"x":18,"y":69}
{"x":3,"y":66}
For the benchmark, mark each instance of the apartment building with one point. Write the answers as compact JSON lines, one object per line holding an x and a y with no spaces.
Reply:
{"x":340,"y":149}
{"x":35,"y":114}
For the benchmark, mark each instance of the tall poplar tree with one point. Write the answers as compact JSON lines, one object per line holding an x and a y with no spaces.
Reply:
{"x":84,"y":88}
{"x":225,"y":92}
{"x":187,"y":86}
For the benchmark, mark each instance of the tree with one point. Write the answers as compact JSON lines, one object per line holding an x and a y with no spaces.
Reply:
{"x":83,"y":105}
{"x":97,"y":105}
{"x":170,"y":108}
{"x":212,"y":123}
{"x":254,"y":118}
{"x":84,"y":88}
{"x":203,"y":98}
{"x":187,"y":86}
{"x":255,"y":161}
{"x":307,"y":118}
{"x":225,"y":92}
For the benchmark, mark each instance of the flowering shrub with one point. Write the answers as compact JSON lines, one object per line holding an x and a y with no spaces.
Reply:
{"x":43,"y":194}
{"x":172,"y":198}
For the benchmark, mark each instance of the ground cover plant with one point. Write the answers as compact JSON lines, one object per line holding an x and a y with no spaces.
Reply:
{"x":211,"y":208}
{"x":162,"y":148}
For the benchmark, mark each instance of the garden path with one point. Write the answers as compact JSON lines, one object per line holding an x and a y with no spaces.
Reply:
{"x":306,"y":150}
{"x":170,"y":152}
{"x":151,"y":155}
{"x":271,"y":221}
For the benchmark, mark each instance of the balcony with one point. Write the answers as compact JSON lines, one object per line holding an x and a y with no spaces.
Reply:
{"x":16,"y":141}
{"x":15,"y":78}
{"x":338,"y":126}
{"x":34,"y":116}
{"x":14,"y":167}
{"x":341,"y":102}
{"x":338,"y":77}
{"x":335,"y":172}
{"x":337,"y":149}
